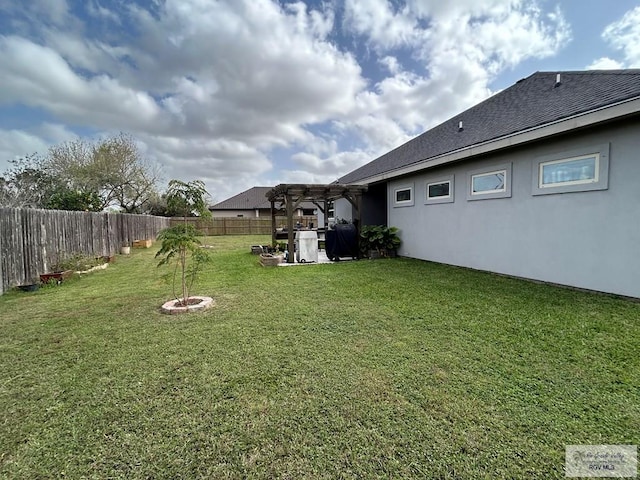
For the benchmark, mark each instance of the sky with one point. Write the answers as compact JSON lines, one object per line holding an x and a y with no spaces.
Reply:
{"x":240,"y":93}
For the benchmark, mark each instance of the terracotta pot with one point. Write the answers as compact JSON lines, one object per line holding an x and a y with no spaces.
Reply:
{"x":58,"y":277}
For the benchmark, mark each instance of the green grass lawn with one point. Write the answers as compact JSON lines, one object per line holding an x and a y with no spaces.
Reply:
{"x":373,"y":369}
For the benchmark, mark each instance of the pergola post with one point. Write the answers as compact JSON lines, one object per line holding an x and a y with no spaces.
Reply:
{"x":326,"y":214}
{"x":290,"y":233}
{"x":357,"y":221}
{"x":273,"y":223}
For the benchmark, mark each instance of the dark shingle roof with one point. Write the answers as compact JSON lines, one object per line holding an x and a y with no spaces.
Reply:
{"x":251,"y":199}
{"x":247,"y":200}
{"x":531,"y":102}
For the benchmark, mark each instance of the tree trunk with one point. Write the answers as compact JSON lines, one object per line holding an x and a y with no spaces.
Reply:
{"x":183,"y":262}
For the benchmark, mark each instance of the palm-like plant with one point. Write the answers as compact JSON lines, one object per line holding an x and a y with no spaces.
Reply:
{"x":180,"y":245}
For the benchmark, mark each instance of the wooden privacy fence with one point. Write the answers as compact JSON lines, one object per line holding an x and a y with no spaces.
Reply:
{"x":32,"y":241}
{"x":240,"y":226}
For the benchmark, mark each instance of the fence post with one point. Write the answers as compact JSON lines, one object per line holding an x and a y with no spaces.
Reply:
{"x":1,"y":256}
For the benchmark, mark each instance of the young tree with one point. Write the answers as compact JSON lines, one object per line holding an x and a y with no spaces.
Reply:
{"x":180,"y":244}
{"x":187,"y":199}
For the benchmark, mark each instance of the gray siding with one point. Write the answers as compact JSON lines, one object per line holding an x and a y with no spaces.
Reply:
{"x":343,"y":209}
{"x":583,"y":239}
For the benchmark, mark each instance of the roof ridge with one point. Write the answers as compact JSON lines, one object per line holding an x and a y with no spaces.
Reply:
{"x":620,"y":71}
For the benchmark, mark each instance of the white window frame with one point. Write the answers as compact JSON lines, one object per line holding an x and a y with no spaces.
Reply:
{"x":403,"y":203}
{"x":505,"y":192}
{"x":443,"y":198}
{"x":486,"y":174}
{"x":541,"y":166}
{"x":600,"y":182}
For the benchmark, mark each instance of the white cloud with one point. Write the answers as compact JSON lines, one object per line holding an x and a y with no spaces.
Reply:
{"x":19,"y":143}
{"x":39,"y":77}
{"x":95,"y":9}
{"x":56,"y":10}
{"x":461,"y":47}
{"x":93,"y":56}
{"x":54,"y":133}
{"x":386,"y":26}
{"x":211,"y":88}
{"x":624,"y":36}
{"x":605,"y":63}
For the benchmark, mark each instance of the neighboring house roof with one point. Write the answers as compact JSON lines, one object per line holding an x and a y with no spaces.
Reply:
{"x":533,"y":102}
{"x":252,"y":199}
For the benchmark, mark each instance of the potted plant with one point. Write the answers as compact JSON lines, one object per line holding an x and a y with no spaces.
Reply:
{"x":60,"y":270}
{"x":181,"y":248}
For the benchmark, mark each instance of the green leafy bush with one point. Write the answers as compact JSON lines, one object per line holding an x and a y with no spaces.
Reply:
{"x":379,"y":238}
{"x":78,"y":262}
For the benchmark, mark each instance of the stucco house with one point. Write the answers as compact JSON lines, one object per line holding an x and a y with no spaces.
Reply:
{"x":253,"y":203}
{"x":541,"y":181}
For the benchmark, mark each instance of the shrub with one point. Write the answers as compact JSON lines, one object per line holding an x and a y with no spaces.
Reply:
{"x":379,"y":238}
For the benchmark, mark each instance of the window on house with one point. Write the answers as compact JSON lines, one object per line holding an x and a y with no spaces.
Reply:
{"x":439,"y":190}
{"x":579,"y":170}
{"x":403,"y":195}
{"x":572,"y":171}
{"x":491,"y":182}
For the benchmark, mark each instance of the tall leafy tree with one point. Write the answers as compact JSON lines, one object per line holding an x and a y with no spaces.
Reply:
{"x":28,"y":183}
{"x":68,"y":199}
{"x":83,"y":175}
{"x":114,"y":168}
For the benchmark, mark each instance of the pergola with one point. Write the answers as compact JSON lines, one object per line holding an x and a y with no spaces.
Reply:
{"x":290,"y":195}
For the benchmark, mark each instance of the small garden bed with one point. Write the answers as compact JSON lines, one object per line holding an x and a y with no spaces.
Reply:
{"x":270,"y":260}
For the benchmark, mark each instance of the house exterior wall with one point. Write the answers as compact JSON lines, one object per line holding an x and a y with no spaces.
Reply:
{"x":374,"y":207}
{"x":588,"y":239}
{"x":245,"y":213}
{"x":255,"y":213}
{"x":343,"y":209}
